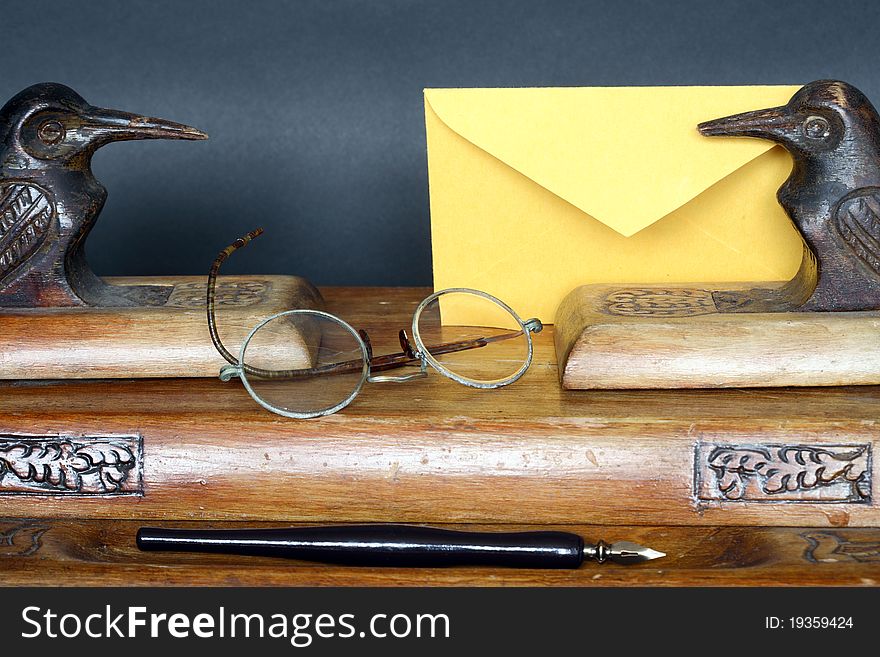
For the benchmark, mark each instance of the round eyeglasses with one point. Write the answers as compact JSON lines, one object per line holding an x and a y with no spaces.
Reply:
{"x":309,"y":363}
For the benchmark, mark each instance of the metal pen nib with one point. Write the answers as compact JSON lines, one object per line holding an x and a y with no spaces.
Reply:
{"x":624,"y":552}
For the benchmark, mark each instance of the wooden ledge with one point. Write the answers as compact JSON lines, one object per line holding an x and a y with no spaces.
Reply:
{"x":673,"y":337}
{"x":149,"y":341}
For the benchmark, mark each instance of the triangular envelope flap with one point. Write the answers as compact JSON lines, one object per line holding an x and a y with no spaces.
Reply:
{"x":627,"y":156}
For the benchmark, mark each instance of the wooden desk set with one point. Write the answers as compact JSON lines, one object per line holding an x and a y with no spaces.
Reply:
{"x":743,"y":485}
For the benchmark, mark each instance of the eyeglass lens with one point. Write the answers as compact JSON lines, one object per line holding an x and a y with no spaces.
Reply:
{"x":308,"y":362}
{"x":454,"y":317}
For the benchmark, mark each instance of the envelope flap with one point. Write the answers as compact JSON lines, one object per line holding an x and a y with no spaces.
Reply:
{"x":627,"y":156}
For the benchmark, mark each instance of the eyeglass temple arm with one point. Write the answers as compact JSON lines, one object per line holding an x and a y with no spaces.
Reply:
{"x":389,"y":361}
{"x":212,"y":291}
{"x":409,"y":354}
{"x":234,"y":369}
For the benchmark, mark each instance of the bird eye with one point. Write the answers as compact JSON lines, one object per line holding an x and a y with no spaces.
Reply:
{"x":51,"y":132}
{"x":816,"y":127}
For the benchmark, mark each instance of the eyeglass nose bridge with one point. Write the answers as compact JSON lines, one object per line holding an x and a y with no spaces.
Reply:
{"x":390,"y":378}
{"x":408,"y":350}
{"x":387,"y":378}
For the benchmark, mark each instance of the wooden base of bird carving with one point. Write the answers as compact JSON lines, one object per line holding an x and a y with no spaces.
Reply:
{"x":674,"y":336}
{"x":170,"y":340}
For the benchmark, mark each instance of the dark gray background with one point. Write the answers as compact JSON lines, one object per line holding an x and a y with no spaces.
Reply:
{"x":315,"y":108}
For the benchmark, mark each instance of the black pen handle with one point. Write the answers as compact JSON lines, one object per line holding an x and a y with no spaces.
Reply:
{"x":379,"y":545}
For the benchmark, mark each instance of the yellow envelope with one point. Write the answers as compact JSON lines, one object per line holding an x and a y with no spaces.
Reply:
{"x":537,"y":191}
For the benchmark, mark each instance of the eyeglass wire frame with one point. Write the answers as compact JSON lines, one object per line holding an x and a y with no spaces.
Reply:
{"x":421,"y":354}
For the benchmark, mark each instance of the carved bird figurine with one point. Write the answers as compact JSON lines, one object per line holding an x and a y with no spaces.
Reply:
{"x":832,"y":196}
{"x":50,"y":200}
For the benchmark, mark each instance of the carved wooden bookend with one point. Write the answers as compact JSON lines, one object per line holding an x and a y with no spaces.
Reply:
{"x":58,"y":318}
{"x":817,"y":329}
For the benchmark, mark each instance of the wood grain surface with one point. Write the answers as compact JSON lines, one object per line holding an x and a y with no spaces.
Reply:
{"x":100,"y":552}
{"x":169,"y":340}
{"x":678,"y":336}
{"x":634,"y":464}
{"x":435,"y":451}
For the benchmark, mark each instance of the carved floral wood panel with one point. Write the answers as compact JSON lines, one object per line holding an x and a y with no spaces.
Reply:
{"x":783,"y":473}
{"x":71,"y":465}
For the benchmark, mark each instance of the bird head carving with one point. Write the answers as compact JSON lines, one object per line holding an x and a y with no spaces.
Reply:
{"x":50,"y":124}
{"x":832,"y":196}
{"x":823,"y":117}
{"x":49,"y":199}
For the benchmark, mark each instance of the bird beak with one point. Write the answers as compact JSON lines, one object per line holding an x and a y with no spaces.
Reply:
{"x":765,"y":124}
{"x":102,"y":126}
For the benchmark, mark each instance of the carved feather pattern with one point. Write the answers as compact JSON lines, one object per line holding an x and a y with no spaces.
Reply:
{"x":227,"y":293}
{"x":787,"y":469}
{"x":659,"y":302}
{"x":95,"y":467}
{"x":26,"y":212}
{"x":857,"y":220}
